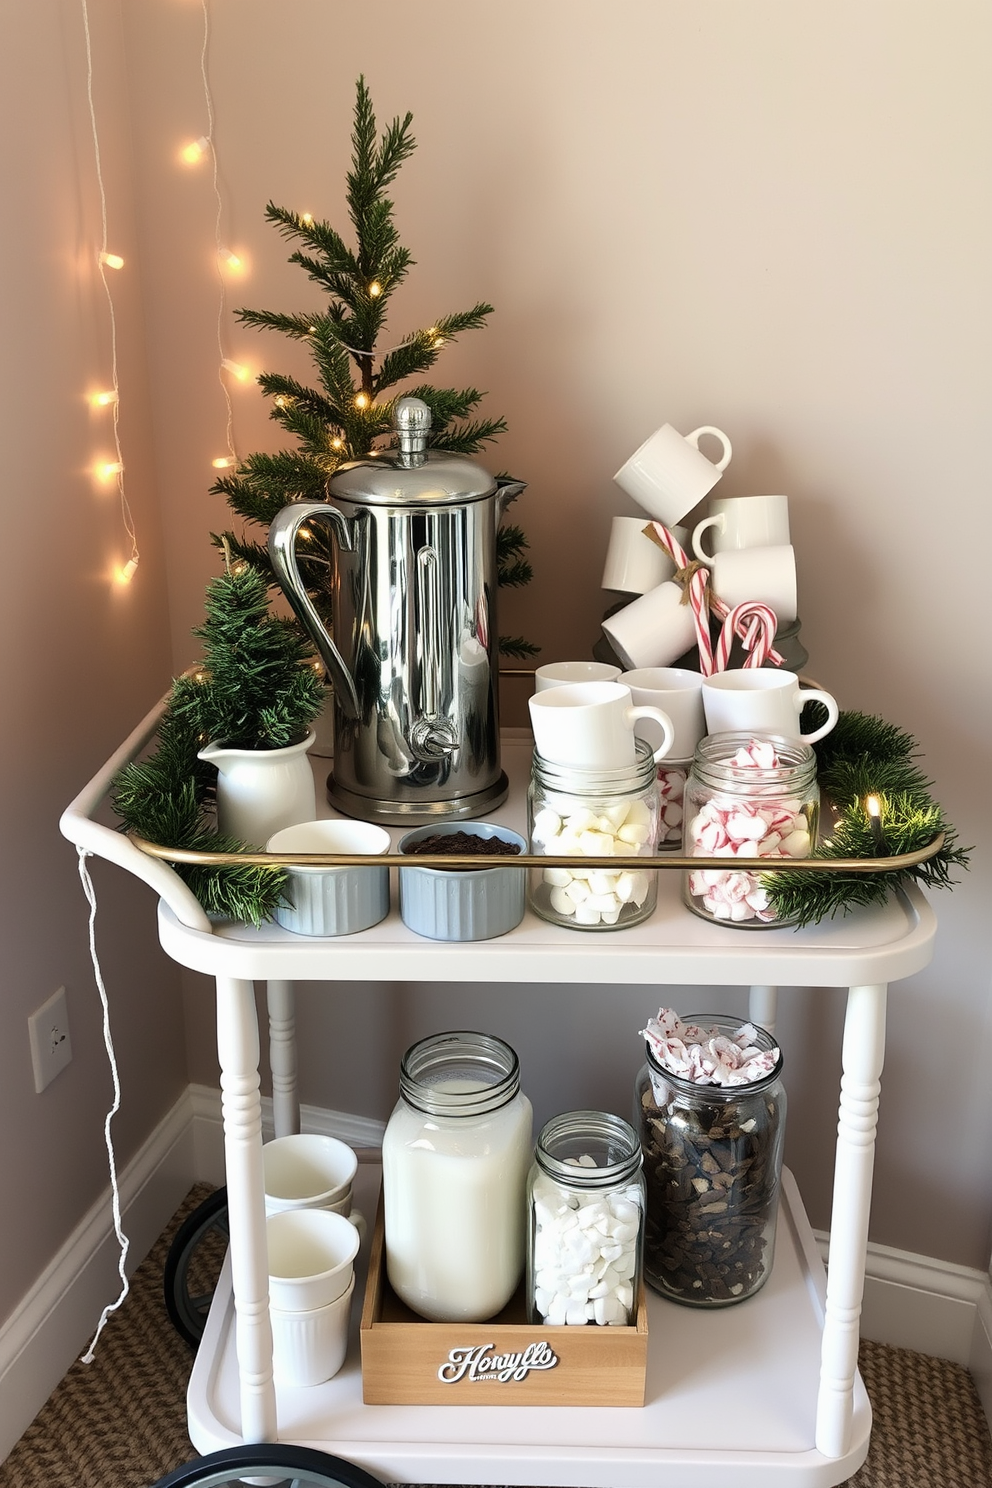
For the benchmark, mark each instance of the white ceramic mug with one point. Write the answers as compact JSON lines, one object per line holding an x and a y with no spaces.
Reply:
{"x":590,"y":725}
{"x":744,"y":522}
{"x":565,"y":673}
{"x":634,"y":562}
{"x":679,"y":694}
{"x":309,"y":1347}
{"x":669,"y":474}
{"x":311,"y":1257}
{"x":762,"y":700}
{"x":740,"y":575}
{"x":307,"y":1171}
{"x":654,"y":630}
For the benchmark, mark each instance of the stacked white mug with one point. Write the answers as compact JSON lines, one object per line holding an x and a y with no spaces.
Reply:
{"x":313,"y":1234}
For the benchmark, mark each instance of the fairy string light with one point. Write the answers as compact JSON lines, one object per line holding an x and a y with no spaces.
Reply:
{"x":113,"y":261}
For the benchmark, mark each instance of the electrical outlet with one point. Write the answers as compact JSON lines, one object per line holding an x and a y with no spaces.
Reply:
{"x":51,"y":1048}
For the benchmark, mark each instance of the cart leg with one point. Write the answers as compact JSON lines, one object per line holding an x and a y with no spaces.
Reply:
{"x":237,"y":1048}
{"x":762,"y":1006}
{"x":864,"y":1043}
{"x":282,"y":1057}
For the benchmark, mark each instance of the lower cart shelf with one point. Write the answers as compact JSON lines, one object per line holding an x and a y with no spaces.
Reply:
{"x":730,"y":1401}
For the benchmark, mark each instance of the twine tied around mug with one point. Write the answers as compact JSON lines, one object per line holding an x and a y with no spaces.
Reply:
{"x":753,"y":622}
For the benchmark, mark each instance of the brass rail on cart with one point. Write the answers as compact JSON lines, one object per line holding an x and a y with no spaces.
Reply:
{"x":534,"y":860}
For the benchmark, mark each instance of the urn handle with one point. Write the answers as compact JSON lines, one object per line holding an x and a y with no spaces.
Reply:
{"x":282,"y":550}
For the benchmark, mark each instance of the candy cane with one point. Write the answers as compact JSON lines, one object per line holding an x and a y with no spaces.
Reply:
{"x":696,"y":593}
{"x":756,"y":624}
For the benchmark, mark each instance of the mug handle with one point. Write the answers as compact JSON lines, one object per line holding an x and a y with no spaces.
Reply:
{"x":357,"y":1218}
{"x":720,"y":522}
{"x":811,"y":695}
{"x":659,"y":717}
{"x":693,"y":439}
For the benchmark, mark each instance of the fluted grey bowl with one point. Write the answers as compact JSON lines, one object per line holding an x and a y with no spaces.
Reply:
{"x":462,"y":903}
{"x":333,"y":901}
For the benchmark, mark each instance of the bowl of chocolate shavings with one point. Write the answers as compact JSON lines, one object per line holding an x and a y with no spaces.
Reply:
{"x":462,"y":903}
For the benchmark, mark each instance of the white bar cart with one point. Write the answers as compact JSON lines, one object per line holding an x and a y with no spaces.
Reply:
{"x":763,"y":1395}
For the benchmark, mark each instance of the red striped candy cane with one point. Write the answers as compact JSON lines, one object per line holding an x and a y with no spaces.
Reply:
{"x":756,"y":624}
{"x":696,"y":592}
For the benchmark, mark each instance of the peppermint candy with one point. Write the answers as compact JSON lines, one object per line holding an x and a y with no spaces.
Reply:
{"x":733,"y":826}
{"x":707,"y":1056}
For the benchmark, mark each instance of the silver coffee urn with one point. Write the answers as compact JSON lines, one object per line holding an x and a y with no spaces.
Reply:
{"x":412,"y":652}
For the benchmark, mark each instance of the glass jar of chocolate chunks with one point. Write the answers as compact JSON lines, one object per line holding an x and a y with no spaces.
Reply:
{"x":712,"y":1166}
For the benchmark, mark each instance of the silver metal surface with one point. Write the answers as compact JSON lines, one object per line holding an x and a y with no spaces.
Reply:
{"x":413,"y":657}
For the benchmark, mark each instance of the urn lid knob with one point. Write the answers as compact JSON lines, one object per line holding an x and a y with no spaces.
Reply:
{"x":412,"y":422}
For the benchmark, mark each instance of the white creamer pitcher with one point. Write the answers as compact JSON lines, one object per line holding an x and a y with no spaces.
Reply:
{"x":260,"y":791}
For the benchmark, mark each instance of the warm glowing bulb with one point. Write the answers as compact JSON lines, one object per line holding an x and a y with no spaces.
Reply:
{"x":224,"y":462}
{"x":305,"y":533}
{"x":194,"y":152}
{"x":873,"y":806}
{"x":109,"y":468}
{"x":126,"y":574}
{"x":375,"y":289}
{"x":337,"y":444}
{"x":236,"y":369}
{"x":438,"y":341}
{"x":112,"y":260}
{"x":102,"y":400}
{"x":306,"y":219}
{"x":361,"y":400}
{"x":282,"y":401}
{"x":230,"y":260}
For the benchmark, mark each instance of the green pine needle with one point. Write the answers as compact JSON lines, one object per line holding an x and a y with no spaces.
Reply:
{"x":868,"y":757}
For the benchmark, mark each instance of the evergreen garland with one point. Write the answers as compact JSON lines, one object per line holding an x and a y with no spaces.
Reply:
{"x":865,"y":756}
{"x":258,"y":689}
{"x":343,"y":418}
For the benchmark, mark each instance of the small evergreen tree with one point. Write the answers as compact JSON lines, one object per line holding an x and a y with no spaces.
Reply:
{"x":351,"y":410}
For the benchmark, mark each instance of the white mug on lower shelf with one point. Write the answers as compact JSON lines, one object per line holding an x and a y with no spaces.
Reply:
{"x":309,"y":1347}
{"x":590,"y":726}
{"x":762,"y":700}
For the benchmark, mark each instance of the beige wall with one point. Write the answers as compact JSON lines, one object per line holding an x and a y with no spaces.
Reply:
{"x":773,"y":216}
{"x":82,"y":660}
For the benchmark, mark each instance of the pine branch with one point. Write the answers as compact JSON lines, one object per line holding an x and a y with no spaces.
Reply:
{"x":517,"y":647}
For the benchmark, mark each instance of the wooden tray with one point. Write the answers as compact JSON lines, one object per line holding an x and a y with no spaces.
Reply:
{"x":506,"y":1361}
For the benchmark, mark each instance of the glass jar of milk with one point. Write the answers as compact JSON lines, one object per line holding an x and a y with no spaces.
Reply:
{"x":455,"y":1157}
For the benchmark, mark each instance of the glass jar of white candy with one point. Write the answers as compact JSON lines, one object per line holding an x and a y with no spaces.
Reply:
{"x":600,"y":814}
{"x":748,"y":797}
{"x":586,"y":1222}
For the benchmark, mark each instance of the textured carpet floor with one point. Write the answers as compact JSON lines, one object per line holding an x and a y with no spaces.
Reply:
{"x":121,"y":1421}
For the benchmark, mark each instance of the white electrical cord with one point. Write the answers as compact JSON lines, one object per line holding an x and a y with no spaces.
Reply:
{"x":122,"y":1239}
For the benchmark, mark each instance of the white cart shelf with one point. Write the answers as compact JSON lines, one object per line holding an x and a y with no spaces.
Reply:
{"x":763,"y":1395}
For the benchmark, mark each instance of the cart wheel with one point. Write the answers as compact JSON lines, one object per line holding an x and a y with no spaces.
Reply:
{"x":193,"y":1265}
{"x":278,"y":1466}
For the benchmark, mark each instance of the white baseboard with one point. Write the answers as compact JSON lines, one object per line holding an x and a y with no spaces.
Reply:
{"x":53,"y":1323}
{"x":910,"y":1301}
{"x":933,"y":1306}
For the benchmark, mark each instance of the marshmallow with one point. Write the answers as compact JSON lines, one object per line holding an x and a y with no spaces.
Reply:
{"x":623,"y":829}
{"x":585,"y":1252}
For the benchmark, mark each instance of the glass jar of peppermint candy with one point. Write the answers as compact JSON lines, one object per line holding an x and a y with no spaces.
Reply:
{"x":748,"y":797}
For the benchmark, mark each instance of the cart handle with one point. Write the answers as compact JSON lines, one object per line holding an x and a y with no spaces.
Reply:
{"x":76,"y":823}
